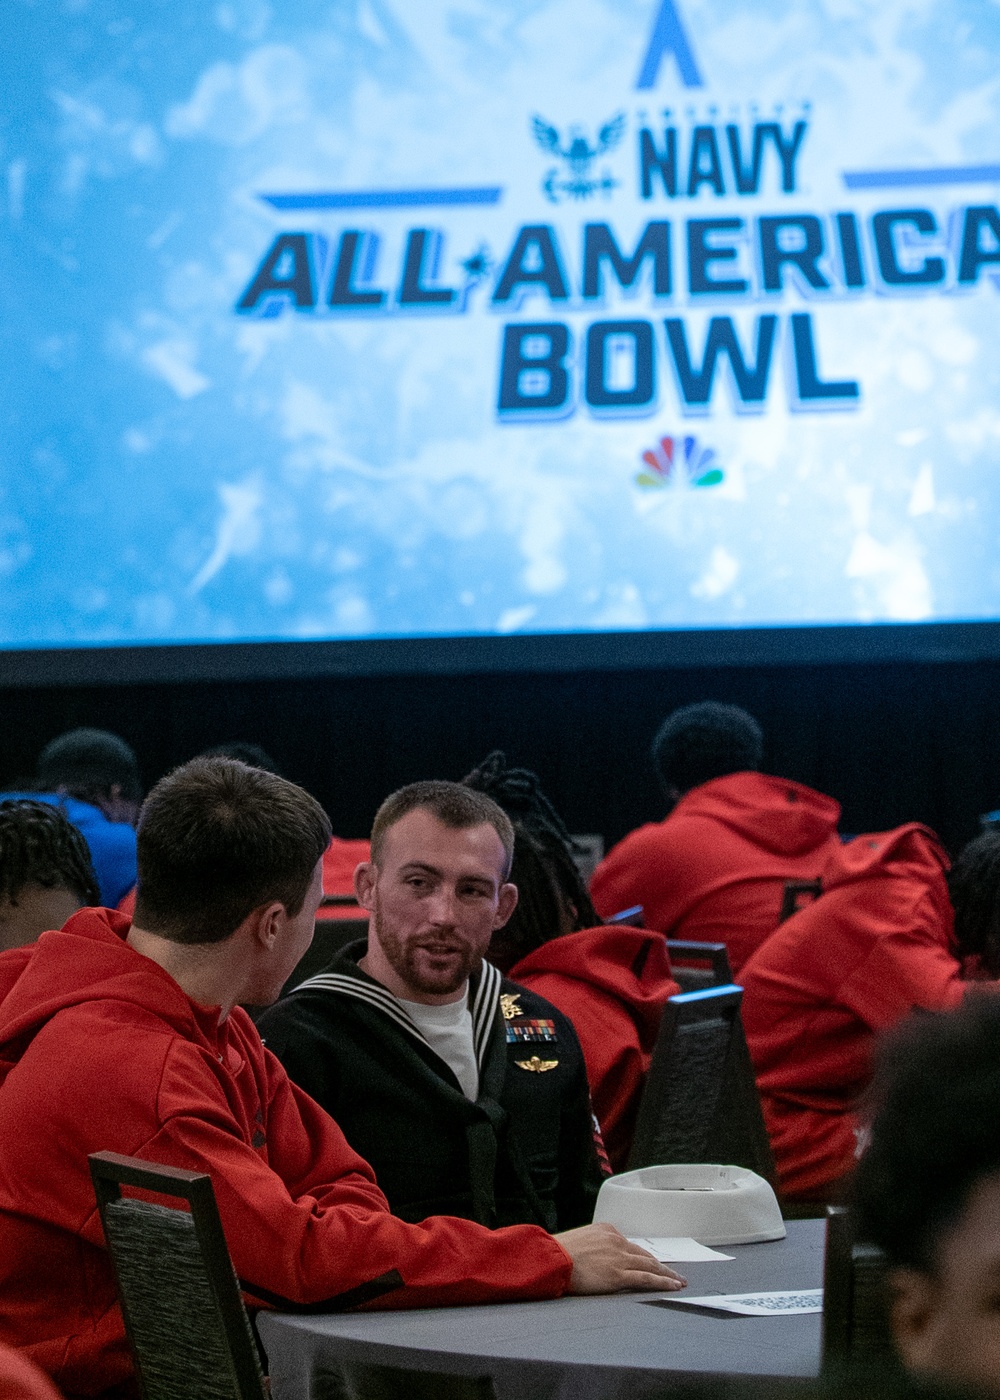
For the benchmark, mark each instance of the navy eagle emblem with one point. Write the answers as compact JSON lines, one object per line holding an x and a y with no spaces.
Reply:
{"x":579,"y":155}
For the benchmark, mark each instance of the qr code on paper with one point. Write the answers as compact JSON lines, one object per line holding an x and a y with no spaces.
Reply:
{"x":779,"y":1302}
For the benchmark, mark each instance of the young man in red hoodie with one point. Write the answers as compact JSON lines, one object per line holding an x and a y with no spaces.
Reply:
{"x":132,"y":1040}
{"x":881,"y":942}
{"x":612,"y":981}
{"x":715,"y":869}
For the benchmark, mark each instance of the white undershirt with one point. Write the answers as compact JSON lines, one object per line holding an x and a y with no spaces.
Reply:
{"x":448,"y":1031}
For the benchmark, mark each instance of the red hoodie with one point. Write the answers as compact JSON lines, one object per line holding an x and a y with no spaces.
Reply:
{"x":878,"y":943}
{"x":612,"y":983}
{"x":20,"y":1379}
{"x":101,"y":1049}
{"x":715,"y":869}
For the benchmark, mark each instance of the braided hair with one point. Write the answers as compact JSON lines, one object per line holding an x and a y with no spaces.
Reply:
{"x":552,"y":897}
{"x":974,"y":886}
{"x":38,"y":846}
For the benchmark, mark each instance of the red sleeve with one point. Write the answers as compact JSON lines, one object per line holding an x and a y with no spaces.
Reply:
{"x":906,"y":969}
{"x":20,"y":1379}
{"x":304,"y":1218}
{"x":307,"y":1149}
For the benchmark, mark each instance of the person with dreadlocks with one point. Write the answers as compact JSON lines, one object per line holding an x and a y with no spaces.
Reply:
{"x":611,"y":981}
{"x":893,"y":932}
{"x":45,"y":872}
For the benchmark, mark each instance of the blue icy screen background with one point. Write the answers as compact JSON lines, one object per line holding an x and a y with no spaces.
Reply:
{"x":172,"y":471}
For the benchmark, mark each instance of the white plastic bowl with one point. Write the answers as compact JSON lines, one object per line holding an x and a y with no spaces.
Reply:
{"x":714,"y":1205}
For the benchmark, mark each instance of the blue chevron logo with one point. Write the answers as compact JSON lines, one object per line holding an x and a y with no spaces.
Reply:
{"x":669,"y":37}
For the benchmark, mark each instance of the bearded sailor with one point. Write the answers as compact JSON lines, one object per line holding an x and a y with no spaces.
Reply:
{"x":466,"y":1093}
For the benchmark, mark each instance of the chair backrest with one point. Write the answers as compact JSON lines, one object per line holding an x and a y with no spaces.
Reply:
{"x":856,"y":1331}
{"x":797,"y":894}
{"x":184,"y":1316}
{"x":700,"y":1100}
{"x":633,"y":916}
{"x":699,"y":965}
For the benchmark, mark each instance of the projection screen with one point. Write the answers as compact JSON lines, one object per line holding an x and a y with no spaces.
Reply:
{"x":474,"y":318}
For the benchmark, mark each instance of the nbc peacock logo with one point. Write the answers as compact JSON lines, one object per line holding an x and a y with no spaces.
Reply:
{"x":681,"y":460}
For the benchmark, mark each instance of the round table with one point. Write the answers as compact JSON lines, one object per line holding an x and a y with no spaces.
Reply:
{"x":607,"y":1348}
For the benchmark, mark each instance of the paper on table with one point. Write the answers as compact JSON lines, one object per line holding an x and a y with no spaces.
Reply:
{"x":677,"y":1249}
{"x":806,"y":1300}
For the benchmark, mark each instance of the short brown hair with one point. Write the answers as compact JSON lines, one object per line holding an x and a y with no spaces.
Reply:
{"x":453,"y":804}
{"x":217,"y":839}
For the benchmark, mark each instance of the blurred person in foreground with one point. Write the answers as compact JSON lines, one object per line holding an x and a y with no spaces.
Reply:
{"x":45,"y":871}
{"x":927,"y":1191}
{"x":93,"y":777}
{"x":893,"y":931}
{"x":612,"y":981}
{"x":131,"y":1039}
{"x":466,"y":1093}
{"x":715,"y":868}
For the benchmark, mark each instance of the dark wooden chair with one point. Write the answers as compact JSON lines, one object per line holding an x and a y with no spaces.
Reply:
{"x":856,"y":1332}
{"x":700,"y":1100}
{"x":797,"y":894}
{"x":184,"y":1315}
{"x":699,"y":965}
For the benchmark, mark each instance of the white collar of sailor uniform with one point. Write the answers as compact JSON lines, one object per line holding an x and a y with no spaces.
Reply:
{"x":484,"y":998}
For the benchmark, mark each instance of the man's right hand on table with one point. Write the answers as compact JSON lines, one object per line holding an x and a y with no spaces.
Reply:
{"x":604,"y":1261}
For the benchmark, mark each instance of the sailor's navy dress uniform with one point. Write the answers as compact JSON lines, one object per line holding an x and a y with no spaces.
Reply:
{"x":524,"y":1151}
